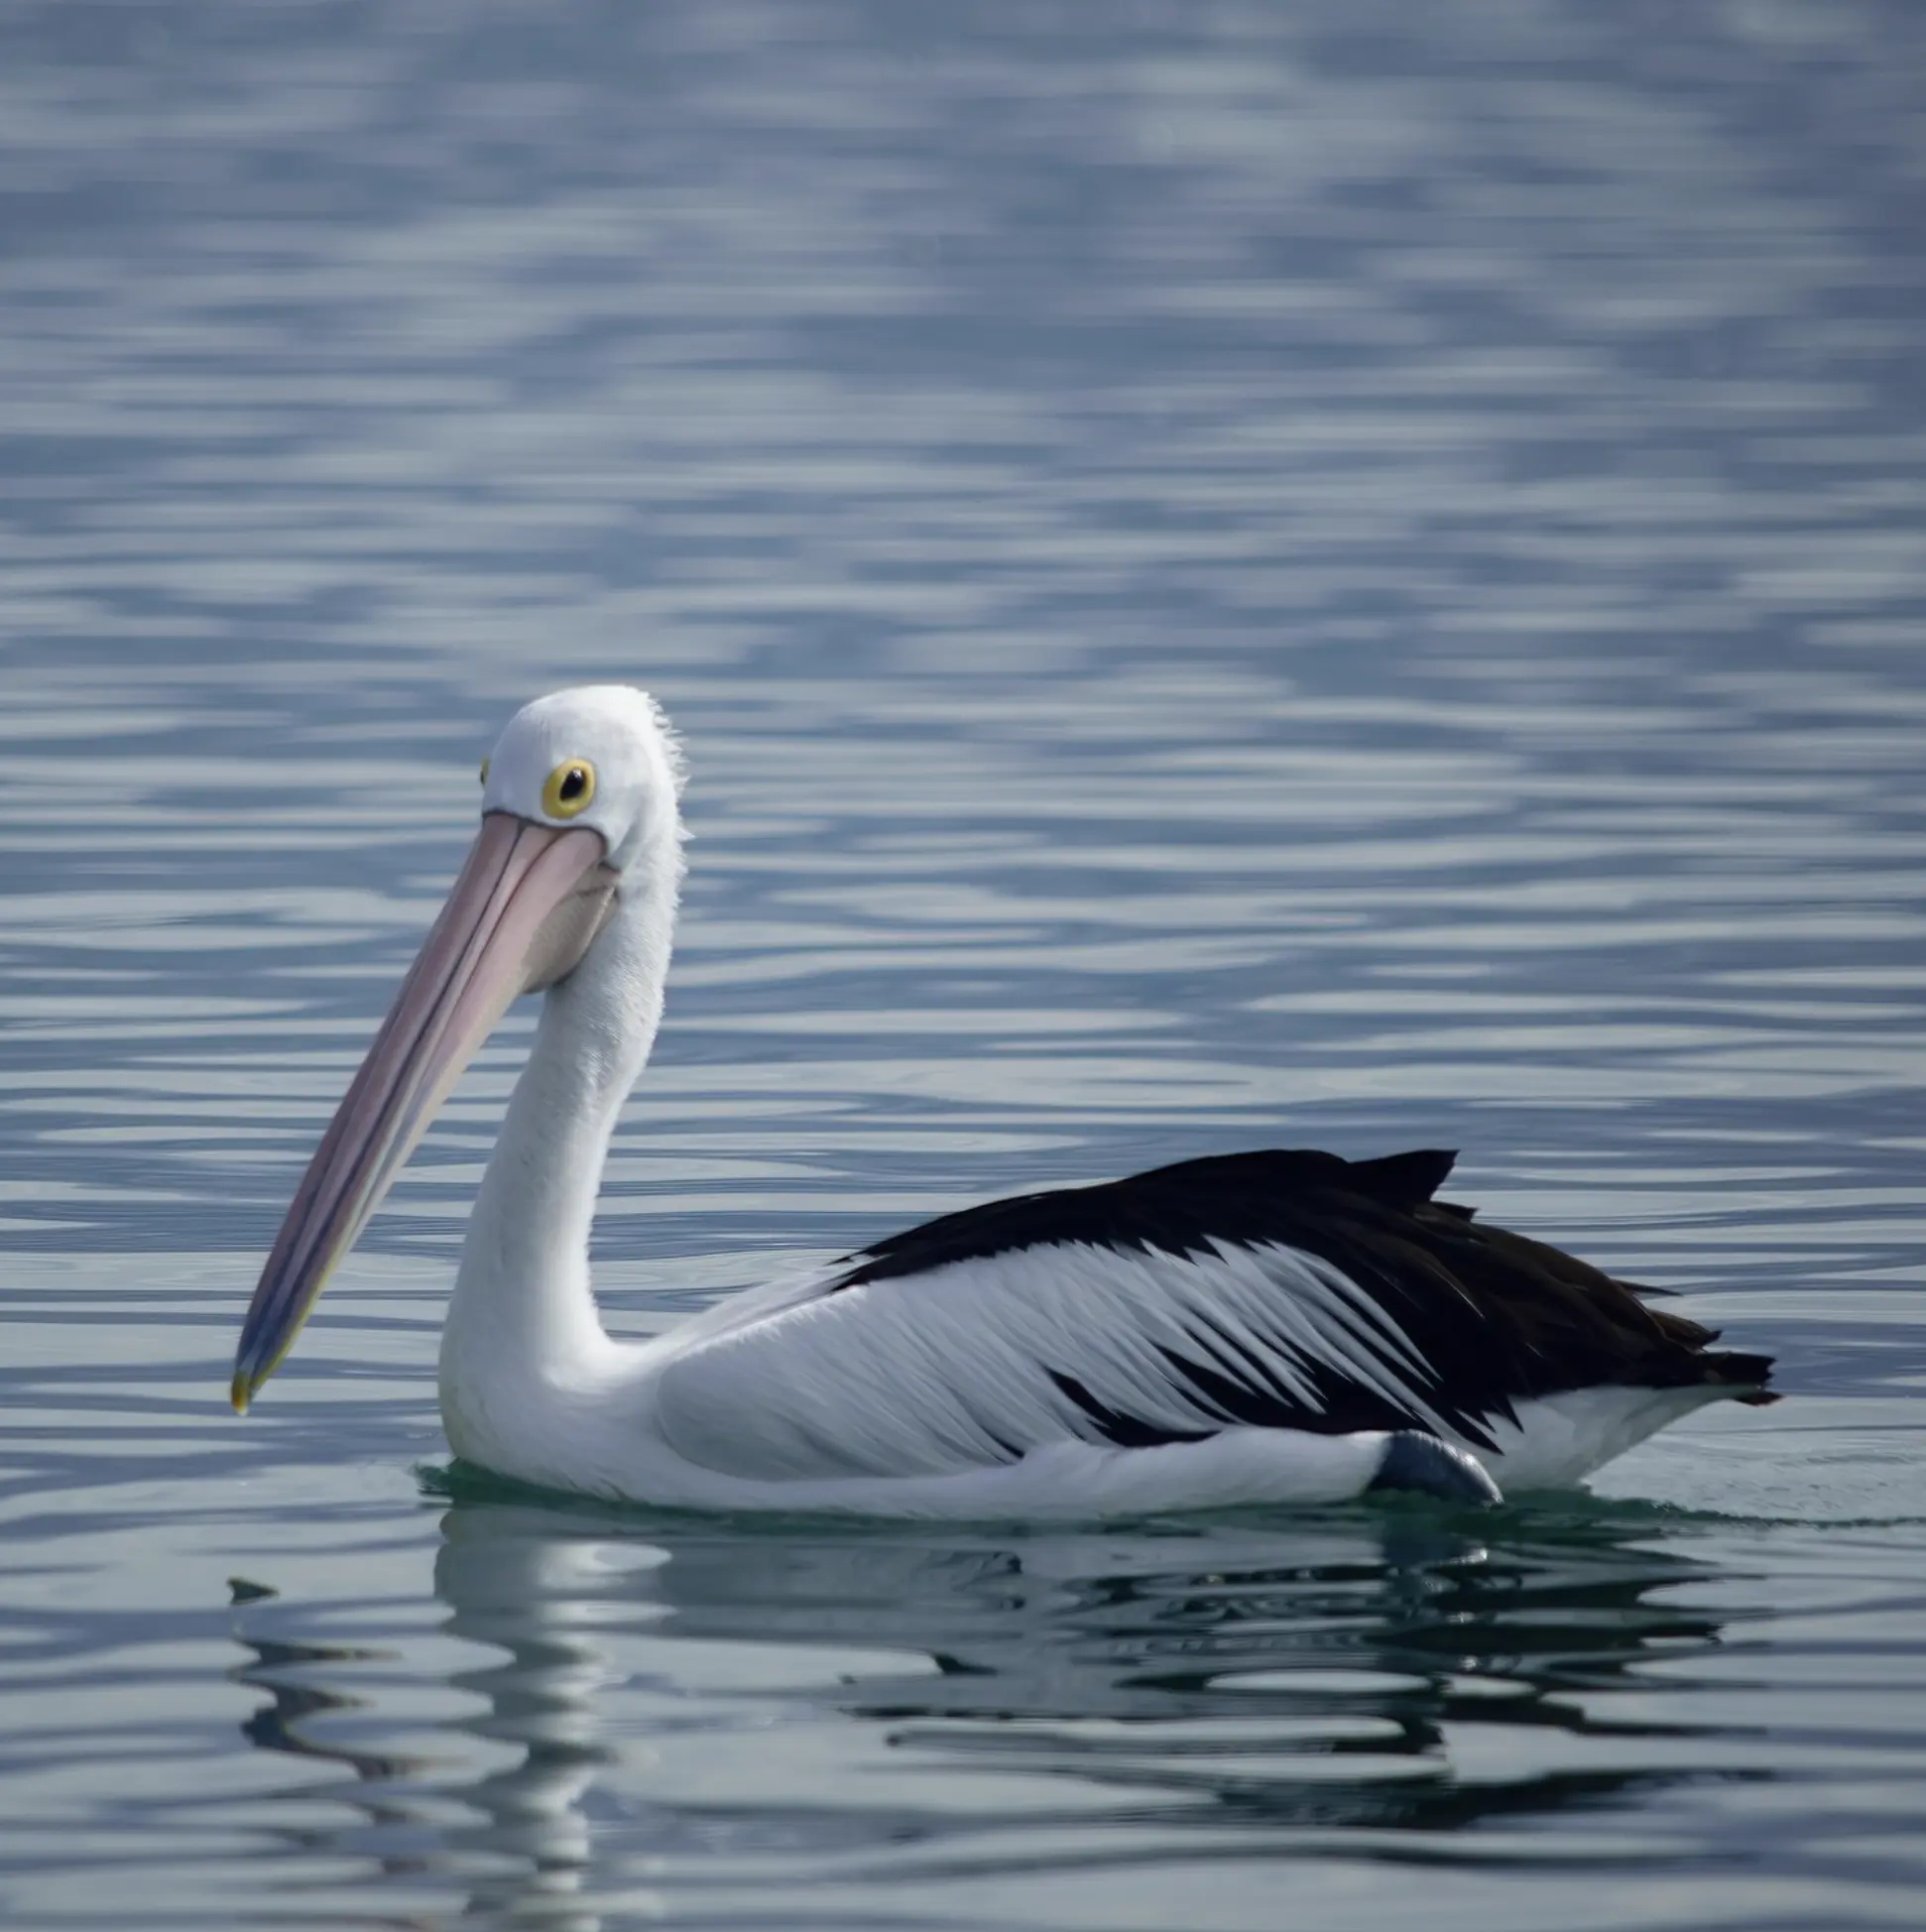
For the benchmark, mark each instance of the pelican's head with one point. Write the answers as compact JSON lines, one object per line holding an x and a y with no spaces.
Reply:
{"x":600,"y":758}
{"x":578,"y":794}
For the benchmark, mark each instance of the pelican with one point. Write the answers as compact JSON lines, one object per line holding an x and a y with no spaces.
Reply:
{"x":1280,"y":1327}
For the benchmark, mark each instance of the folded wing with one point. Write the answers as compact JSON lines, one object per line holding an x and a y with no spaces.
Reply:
{"x":1282,"y":1289}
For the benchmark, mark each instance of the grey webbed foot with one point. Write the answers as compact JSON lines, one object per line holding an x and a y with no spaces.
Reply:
{"x":1414,"y":1460}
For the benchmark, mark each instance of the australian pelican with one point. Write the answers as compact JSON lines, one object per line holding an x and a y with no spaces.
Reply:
{"x":1255,"y":1328}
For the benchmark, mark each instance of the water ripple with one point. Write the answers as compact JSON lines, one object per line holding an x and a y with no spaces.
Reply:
{"x":1313,"y":575}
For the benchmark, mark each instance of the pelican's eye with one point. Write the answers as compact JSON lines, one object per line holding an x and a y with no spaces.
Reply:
{"x":570,"y":788}
{"x":484,"y":772}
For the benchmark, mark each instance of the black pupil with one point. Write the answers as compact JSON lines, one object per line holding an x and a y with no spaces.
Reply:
{"x":575,"y":785}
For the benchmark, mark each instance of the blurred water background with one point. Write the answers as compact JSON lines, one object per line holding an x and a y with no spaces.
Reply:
{"x":1336,"y":573}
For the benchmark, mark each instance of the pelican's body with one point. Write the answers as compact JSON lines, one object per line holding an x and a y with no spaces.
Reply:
{"x":1273,"y":1327}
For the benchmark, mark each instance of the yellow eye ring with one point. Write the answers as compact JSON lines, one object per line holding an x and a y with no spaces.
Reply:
{"x":484,"y":770}
{"x":570,"y":788}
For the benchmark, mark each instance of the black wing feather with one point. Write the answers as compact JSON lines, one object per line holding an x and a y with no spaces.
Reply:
{"x":1495,"y":1317}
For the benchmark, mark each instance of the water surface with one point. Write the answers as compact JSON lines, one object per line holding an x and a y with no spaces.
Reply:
{"x":1326,"y":576}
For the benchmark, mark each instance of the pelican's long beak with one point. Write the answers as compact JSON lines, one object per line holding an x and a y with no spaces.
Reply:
{"x":529,"y":901}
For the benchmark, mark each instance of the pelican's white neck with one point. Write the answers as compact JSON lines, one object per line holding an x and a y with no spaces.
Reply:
{"x":523,"y":1328}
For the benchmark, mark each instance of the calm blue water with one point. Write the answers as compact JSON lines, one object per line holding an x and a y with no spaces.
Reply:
{"x":1340,"y":574}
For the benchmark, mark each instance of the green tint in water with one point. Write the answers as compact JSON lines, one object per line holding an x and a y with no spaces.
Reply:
{"x":1269,"y":575}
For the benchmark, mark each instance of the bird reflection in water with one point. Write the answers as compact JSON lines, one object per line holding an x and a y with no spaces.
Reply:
{"x":1303,"y":1679}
